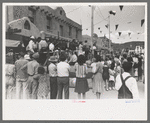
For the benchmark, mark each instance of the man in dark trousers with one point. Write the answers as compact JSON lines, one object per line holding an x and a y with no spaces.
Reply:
{"x":126,"y":84}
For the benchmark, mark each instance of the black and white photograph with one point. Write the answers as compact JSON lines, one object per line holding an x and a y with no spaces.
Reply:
{"x":78,"y":54}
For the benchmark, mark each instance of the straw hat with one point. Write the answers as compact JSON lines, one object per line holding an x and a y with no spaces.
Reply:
{"x":27,"y":57}
{"x":32,"y":37}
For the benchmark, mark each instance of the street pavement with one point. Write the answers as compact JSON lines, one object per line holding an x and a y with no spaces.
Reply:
{"x":112,"y":94}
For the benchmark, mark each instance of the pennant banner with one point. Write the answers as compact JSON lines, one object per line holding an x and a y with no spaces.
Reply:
{"x":117,"y":26}
{"x":121,"y":7}
{"x":119,"y":33}
{"x":106,"y":26}
{"x":142,"y":21}
{"x":129,"y":33}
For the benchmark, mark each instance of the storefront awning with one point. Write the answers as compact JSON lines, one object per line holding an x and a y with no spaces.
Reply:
{"x":12,"y":43}
{"x":19,"y":24}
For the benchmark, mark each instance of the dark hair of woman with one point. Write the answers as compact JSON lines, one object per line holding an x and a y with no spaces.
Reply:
{"x":62,"y":57}
{"x":125,"y":56}
{"x":81,"y":59}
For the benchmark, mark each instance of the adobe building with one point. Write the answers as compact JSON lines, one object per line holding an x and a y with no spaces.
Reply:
{"x":102,"y":43}
{"x":40,"y":21}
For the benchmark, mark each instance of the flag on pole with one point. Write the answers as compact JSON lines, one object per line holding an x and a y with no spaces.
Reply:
{"x":142,"y":21}
{"x":117,"y":26}
{"x":119,"y":33}
{"x":121,"y":7}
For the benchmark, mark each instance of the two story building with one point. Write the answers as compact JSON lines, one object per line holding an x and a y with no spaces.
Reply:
{"x":40,"y":21}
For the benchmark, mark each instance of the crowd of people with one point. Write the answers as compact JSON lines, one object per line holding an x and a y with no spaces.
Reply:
{"x":36,"y":67}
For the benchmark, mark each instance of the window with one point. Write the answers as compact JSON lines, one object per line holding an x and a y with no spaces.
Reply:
{"x":31,"y":15}
{"x":27,"y":25}
{"x":48,"y":23}
{"x":61,"y":30}
{"x":70,"y":31}
{"x":60,"y":12}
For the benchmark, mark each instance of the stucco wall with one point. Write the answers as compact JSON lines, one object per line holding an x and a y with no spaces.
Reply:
{"x":16,"y":12}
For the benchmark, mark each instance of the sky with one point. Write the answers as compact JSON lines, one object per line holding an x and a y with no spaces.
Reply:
{"x":133,"y":13}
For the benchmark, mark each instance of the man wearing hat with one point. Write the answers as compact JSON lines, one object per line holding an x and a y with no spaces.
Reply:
{"x":126,"y":84}
{"x":32,"y":69}
{"x":31,"y":46}
{"x":21,"y":77}
{"x":52,"y":68}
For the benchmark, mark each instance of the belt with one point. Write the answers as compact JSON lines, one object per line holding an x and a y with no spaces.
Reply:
{"x":63,"y":76}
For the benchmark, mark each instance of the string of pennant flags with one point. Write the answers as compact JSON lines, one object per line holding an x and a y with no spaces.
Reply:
{"x":117,"y":25}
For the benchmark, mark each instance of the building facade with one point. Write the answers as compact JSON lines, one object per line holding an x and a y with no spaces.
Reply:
{"x":50,"y":22}
{"x":102,"y":43}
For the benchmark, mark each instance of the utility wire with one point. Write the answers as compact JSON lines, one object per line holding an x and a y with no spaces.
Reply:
{"x":73,"y":10}
{"x":95,"y":23}
{"x":101,"y":13}
{"x":98,"y":13}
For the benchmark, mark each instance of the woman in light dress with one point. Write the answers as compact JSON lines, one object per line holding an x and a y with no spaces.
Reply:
{"x":98,"y":82}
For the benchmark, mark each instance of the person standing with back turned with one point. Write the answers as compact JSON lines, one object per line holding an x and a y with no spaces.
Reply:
{"x":126,"y":84}
{"x":63,"y":69}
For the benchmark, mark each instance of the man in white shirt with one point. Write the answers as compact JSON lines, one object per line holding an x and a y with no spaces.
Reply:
{"x":51,"y":47}
{"x":73,"y":58}
{"x":63,"y":69}
{"x":126,"y":84}
{"x":52,"y":68}
{"x":42,"y":45}
{"x":31,"y":45}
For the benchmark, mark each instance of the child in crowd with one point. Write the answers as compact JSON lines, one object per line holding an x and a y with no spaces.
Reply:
{"x":111,"y":77}
{"x":118,"y":68}
{"x":81,"y":86}
{"x":43,"y":86}
{"x":111,"y":84}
